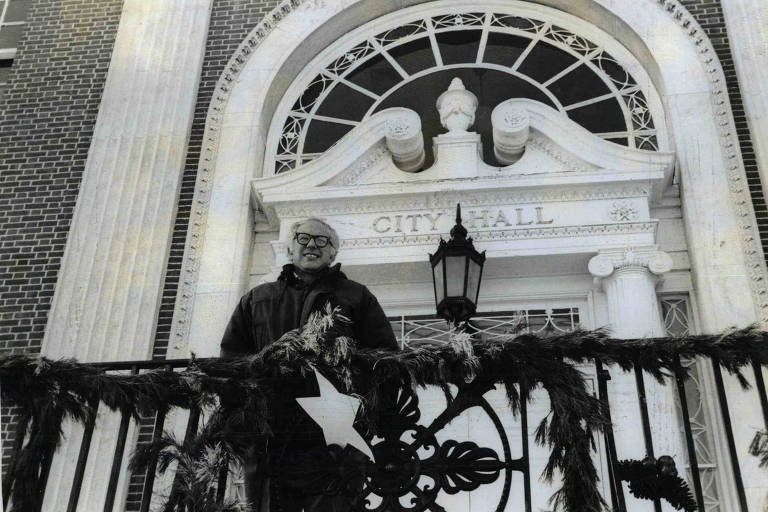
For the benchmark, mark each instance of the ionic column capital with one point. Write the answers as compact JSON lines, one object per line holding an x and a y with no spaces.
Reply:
{"x":644,"y":259}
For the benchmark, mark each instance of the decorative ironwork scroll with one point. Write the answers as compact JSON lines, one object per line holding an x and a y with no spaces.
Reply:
{"x":412,"y":465}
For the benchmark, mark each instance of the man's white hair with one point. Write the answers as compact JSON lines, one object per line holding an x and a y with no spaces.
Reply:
{"x":332,"y":234}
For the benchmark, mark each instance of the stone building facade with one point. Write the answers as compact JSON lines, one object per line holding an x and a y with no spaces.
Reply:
{"x":154,"y":153}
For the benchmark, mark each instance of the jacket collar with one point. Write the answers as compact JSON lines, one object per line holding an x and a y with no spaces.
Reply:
{"x":329,"y":275}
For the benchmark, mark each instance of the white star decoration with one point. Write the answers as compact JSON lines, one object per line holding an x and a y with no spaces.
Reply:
{"x":335,"y":412}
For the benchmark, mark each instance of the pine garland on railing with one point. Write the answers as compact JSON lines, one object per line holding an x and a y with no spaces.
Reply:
{"x":654,"y":479}
{"x":47,"y":392}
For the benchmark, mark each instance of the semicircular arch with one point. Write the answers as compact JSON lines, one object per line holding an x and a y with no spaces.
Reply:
{"x":692,"y":90}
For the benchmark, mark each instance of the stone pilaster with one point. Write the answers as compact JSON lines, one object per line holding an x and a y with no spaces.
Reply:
{"x":108,"y":294}
{"x":629,"y":278}
{"x":747,"y":24}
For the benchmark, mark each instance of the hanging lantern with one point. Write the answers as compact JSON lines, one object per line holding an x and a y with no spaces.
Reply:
{"x":456,"y":272}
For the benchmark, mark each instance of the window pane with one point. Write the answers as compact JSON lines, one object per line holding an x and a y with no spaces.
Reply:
{"x":345,"y":103}
{"x":578,"y":85}
{"x":5,"y":70}
{"x":545,"y":61}
{"x":376,"y":75}
{"x":459,"y":46}
{"x":323,"y":134}
{"x":438,"y":277}
{"x":473,"y":281}
{"x":620,"y":140}
{"x":414,"y":56}
{"x":454,"y":266}
{"x":504,"y":49}
{"x":9,"y":36}
{"x":604,"y":116}
{"x":17,"y":10}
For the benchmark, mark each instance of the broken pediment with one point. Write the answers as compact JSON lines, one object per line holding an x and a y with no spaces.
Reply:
{"x":534,"y":140}
{"x":559,"y":182}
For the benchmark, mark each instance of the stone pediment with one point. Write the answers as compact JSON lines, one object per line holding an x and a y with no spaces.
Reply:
{"x":556,"y":152}
{"x":560,"y":186}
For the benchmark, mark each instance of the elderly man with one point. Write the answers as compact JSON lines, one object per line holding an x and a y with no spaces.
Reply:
{"x":270,"y":310}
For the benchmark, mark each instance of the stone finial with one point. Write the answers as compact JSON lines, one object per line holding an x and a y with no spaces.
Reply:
{"x":457,"y":107}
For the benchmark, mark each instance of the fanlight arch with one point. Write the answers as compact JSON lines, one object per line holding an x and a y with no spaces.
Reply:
{"x":699,"y":124}
{"x":244,"y":123}
{"x":407,"y":58}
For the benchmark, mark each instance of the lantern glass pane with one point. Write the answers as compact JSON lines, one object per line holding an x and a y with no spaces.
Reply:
{"x":439,"y":283}
{"x":473,"y":281}
{"x":455,"y":268}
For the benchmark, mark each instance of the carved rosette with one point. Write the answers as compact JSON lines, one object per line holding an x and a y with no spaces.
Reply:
{"x":405,"y":140}
{"x":511,"y":131}
{"x":623,"y":211}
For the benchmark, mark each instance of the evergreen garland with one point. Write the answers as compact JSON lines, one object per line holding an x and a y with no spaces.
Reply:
{"x":654,"y":479}
{"x":199,"y":464}
{"x":47,"y":392}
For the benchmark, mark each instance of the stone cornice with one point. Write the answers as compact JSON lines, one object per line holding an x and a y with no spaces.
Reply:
{"x":448,"y":200}
{"x":506,"y":234}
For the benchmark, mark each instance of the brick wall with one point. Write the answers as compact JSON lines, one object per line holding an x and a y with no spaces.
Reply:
{"x":47,"y":114}
{"x":709,"y":14}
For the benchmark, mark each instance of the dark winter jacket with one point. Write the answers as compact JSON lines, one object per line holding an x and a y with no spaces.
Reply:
{"x":261,"y":317}
{"x":272,"y":309}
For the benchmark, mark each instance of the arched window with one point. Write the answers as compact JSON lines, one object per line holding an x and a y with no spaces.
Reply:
{"x":407,"y":60}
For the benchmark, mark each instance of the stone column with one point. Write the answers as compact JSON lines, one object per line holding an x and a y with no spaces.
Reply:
{"x":629,"y":278}
{"x":111,"y":278}
{"x":747,"y":24}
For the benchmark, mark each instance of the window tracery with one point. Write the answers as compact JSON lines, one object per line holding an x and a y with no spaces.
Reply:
{"x":498,"y":55}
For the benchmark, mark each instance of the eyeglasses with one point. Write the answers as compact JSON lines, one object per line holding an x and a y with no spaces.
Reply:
{"x":320,"y":240}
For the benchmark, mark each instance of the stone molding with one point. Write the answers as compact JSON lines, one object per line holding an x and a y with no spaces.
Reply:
{"x":558,"y":155}
{"x":360,"y":169}
{"x":508,"y":234}
{"x":470,"y":198}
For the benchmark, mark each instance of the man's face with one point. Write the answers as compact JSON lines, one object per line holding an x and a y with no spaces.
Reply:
{"x":310,"y":257}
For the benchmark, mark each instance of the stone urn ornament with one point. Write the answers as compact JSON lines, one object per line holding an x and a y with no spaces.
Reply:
{"x":457,"y":107}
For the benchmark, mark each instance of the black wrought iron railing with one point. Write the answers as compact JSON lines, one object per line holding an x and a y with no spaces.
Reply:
{"x":617,"y":497}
